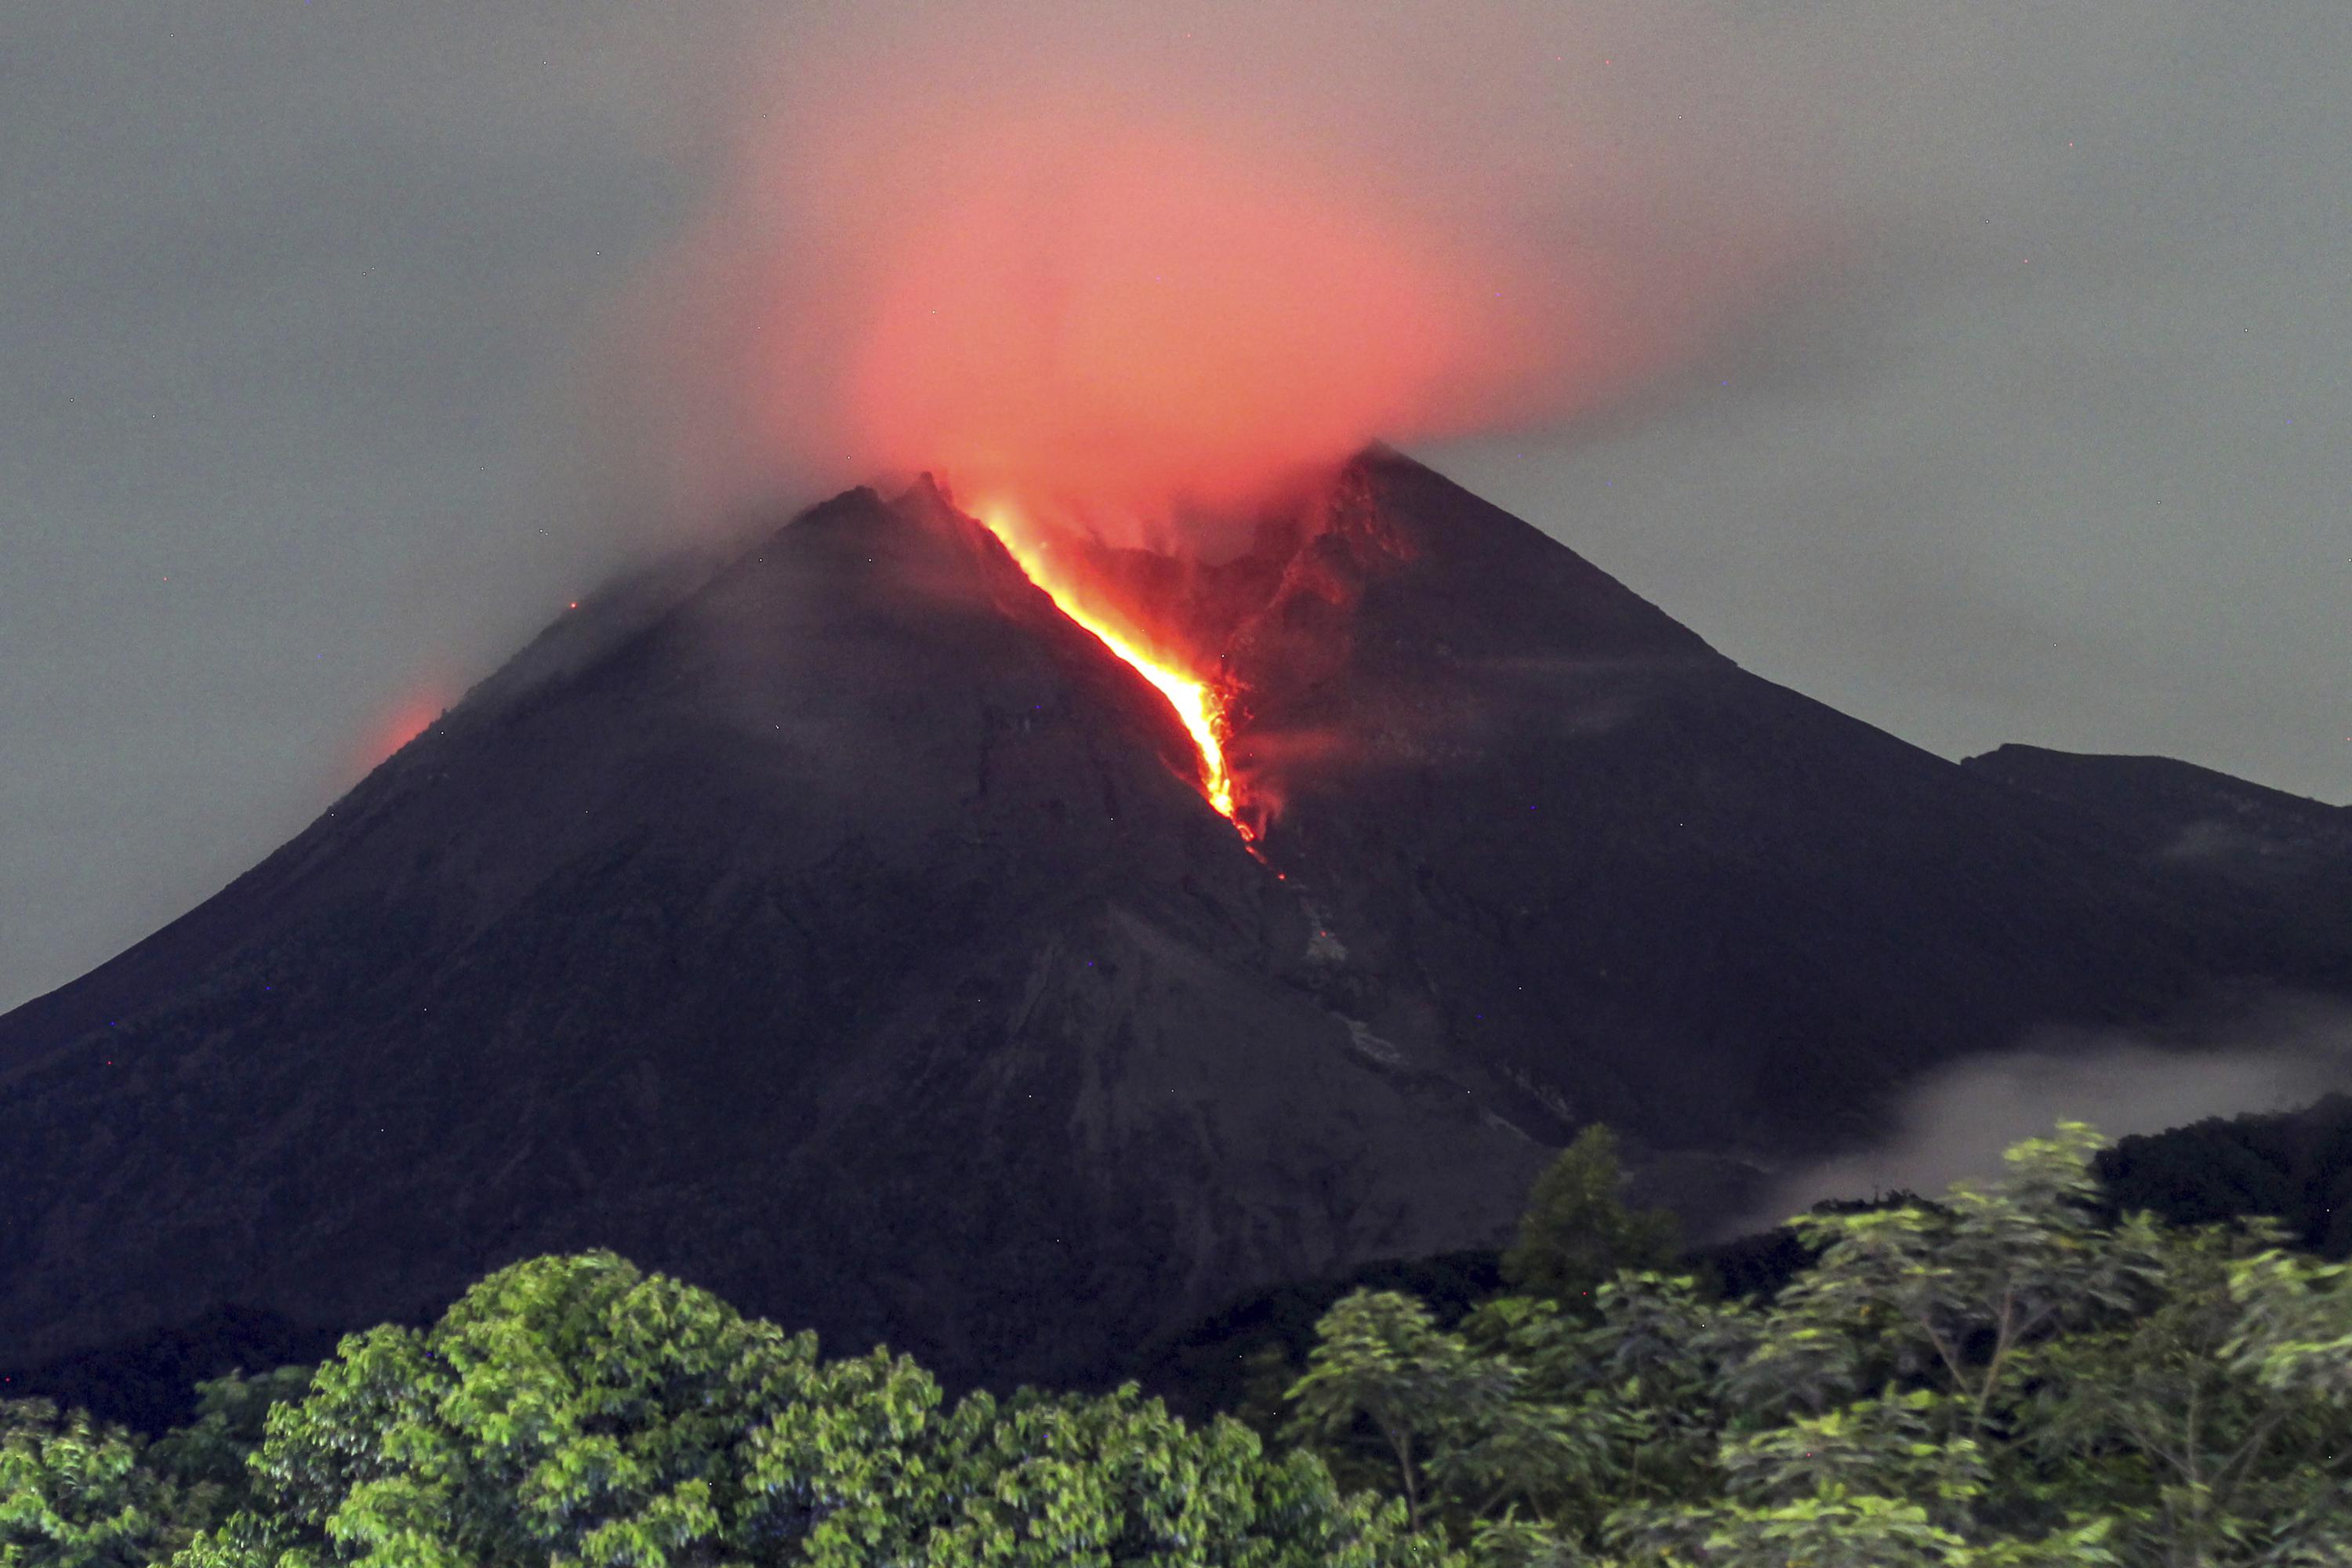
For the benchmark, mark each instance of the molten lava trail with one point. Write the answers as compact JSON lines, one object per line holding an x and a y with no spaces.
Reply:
{"x":1198,"y":704}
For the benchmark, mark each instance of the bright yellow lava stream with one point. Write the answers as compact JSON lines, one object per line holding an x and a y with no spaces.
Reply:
{"x":1198,"y":704}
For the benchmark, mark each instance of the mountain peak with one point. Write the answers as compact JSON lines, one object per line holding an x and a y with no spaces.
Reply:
{"x":843,"y":927}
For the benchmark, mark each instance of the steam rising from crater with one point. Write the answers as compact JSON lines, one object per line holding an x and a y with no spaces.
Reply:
{"x":1131,"y":311}
{"x":1149,"y":268}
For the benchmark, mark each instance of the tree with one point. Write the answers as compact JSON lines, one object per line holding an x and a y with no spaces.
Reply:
{"x":209,"y":1459}
{"x":1382,"y":1362}
{"x":2002,"y":1377}
{"x":1577,"y":1233}
{"x":75,"y":1495}
{"x":1949,"y":1293}
{"x":2168,"y":1419}
{"x":1639,"y":1390}
{"x":574,"y":1411}
{"x":1871,"y":1485}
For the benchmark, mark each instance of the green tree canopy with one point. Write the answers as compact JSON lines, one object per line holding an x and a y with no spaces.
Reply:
{"x":1577,"y":1233}
{"x":1999,"y":1378}
{"x":576,"y":1412}
{"x":2007,"y":1377}
{"x":77,"y":1494}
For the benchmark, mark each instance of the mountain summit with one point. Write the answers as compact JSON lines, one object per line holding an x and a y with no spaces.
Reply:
{"x":847,"y":930}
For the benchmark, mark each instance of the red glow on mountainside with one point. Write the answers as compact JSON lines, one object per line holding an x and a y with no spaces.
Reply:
{"x":409,"y":718}
{"x":1198,"y":703}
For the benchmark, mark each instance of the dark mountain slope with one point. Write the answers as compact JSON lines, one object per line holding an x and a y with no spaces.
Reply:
{"x":841,"y":927}
{"x":1655,"y":888}
{"x":2278,"y":863}
{"x":2295,"y":1167}
{"x":847,"y":939}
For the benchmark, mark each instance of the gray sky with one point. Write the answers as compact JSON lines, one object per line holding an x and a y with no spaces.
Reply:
{"x":292,"y":299}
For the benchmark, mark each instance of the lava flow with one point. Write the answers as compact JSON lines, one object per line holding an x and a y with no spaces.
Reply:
{"x":1199,"y":704}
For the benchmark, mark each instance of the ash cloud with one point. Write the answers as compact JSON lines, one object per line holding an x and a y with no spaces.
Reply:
{"x":1156,"y":264}
{"x":1955,"y":1122}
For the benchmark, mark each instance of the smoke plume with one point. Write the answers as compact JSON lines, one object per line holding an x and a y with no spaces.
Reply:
{"x":1155,"y":265}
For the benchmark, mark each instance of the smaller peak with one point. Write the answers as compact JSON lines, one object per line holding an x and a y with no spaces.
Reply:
{"x":925,"y":494}
{"x":848,"y":513}
{"x":1377,"y":455}
{"x":2015,"y":751}
{"x":1481,"y":577}
{"x":856,"y":500}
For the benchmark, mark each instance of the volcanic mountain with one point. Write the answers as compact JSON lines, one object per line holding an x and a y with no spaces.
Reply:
{"x":843,"y":927}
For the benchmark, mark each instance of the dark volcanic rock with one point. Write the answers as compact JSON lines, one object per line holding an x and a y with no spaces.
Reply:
{"x":1651,"y":887}
{"x":850,"y":937}
{"x":844,"y":930}
{"x":2279,"y":864}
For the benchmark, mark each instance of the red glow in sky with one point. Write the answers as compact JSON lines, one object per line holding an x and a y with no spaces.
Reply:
{"x":1126,"y":316}
{"x":1086,"y":310}
{"x":1165,"y":294}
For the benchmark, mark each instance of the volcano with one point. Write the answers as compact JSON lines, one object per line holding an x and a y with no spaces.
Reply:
{"x":845,"y":928}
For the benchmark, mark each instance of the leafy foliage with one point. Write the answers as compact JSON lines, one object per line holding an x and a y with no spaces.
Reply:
{"x":573,"y":1411}
{"x":1576,"y":1231}
{"x":2005,"y":1376}
{"x":1382,"y":1362}
{"x":2010,"y":1375}
{"x":75,"y":1495}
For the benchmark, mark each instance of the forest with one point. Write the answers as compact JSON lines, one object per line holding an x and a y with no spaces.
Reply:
{"x":2018,"y":1372}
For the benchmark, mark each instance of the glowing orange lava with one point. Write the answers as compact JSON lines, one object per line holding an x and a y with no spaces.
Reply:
{"x":1199,"y":705}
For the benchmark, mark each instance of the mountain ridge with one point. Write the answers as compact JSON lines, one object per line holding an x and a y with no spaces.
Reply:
{"x":843,"y":928}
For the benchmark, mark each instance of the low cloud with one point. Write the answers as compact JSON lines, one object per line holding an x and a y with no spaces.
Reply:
{"x":1954,"y":1123}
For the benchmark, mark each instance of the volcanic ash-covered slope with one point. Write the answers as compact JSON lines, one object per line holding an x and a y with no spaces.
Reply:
{"x":1643,"y":883}
{"x":849,"y":933}
{"x":849,"y":936}
{"x":2276,"y":863}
